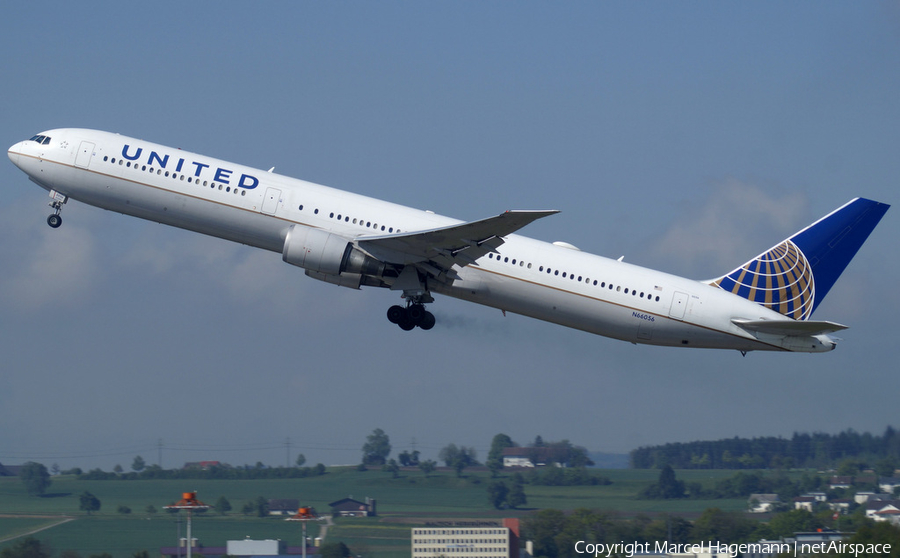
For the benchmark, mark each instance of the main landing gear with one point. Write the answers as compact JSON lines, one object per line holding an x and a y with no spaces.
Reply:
{"x":411,"y":316}
{"x":417,"y":296}
{"x":55,"y":220}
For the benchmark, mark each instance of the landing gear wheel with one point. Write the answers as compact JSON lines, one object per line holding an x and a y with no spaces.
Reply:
{"x":416,"y":312}
{"x":427,"y":321}
{"x":54,"y":221}
{"x":396,"y":314}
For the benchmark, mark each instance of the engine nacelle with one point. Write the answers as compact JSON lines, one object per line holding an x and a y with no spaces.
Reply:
{"x":322,"y":252}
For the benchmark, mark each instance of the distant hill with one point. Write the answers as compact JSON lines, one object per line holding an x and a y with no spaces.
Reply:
{"x":610,"y":460}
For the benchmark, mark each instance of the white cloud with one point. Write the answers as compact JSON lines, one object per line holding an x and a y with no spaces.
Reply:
{"x":737,"y":222}
{"x":44,"y":267}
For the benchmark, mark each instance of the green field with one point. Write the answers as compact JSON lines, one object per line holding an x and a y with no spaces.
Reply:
{"x":412,"y":496}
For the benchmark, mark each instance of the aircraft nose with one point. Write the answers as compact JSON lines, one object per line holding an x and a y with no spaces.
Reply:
{"x":13,"y":153}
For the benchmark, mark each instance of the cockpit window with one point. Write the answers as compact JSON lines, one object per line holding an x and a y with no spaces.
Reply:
{"x":43,"y":140}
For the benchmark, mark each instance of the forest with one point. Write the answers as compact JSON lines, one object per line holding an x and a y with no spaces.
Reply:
{"x":802,"y":450}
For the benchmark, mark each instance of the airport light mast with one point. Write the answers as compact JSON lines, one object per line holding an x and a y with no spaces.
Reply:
{"x":190,"y":503}
{"x":305,"y":515}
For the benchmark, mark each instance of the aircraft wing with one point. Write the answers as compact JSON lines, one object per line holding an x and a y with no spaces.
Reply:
{"x":437,"y":250}
{"x":788,"y":328}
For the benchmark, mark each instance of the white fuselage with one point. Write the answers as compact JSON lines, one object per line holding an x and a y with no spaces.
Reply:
{"x":257,"y":208}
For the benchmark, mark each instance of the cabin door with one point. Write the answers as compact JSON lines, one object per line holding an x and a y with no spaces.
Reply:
{"x":679,"y":303}
{"x":271,"y":200}
{"x":83,"y":157}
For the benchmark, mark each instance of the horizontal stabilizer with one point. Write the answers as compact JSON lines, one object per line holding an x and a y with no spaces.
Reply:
{"x":459,"y":244}
{"x":789,"y":328}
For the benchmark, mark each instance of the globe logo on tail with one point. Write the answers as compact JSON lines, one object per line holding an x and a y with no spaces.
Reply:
{"x":780,"y":279}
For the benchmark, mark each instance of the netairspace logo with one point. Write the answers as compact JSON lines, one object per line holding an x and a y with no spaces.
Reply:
{"x":628,"y":550}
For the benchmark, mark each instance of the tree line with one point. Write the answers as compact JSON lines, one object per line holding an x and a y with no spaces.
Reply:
{"x":212,"y":472}
{"x":802,"y":450}
{"x":563,"y":454}
{"x":740,"y":485}
{"x":555,"y":533}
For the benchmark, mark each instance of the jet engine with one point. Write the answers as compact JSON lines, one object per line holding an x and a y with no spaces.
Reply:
{"x":324,"y":253}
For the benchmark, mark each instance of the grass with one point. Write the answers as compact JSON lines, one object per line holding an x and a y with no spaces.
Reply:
{"x":370,"y":538}
{"x":16,"y":526}
{"x":410,"y":496}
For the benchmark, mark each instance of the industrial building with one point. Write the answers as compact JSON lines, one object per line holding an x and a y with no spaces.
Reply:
{"x":467,"y":539}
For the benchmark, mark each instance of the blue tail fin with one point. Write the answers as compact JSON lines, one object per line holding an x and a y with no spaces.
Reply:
{"x":793,"y":277}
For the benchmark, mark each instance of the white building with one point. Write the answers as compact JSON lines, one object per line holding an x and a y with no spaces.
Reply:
{"x":888,"y":484}
{"x":762,"y":503}
{"x":467,"y":539}
{"x":249,"y":547}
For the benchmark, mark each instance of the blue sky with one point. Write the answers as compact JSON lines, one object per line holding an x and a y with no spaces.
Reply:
{"x":688,"y":137}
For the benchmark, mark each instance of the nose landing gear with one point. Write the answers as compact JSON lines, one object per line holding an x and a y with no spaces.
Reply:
{"x":411,"y":316}
{"x":55,"y":220}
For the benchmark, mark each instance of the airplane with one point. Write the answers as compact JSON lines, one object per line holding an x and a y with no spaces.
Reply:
{"x":354,"y":241}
